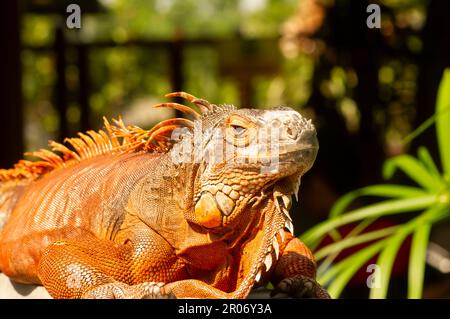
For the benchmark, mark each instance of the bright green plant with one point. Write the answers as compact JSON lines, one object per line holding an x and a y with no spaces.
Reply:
{"x":427,"y":204}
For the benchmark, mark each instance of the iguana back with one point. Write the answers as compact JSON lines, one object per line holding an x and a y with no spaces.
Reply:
{"x":90,"y":195}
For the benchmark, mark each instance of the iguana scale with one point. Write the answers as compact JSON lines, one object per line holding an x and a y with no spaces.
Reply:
{"x":132,"y":213}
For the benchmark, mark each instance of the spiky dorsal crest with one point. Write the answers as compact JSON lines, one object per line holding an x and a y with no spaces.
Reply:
{"x":116,"y":138}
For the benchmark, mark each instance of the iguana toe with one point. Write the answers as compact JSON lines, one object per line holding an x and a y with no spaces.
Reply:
{"x":153,"y":290}
{"x":301,"y":287}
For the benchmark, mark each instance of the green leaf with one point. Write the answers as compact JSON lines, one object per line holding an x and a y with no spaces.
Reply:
{"x":385,"y":262}
{"x":417,"y":261}
{"x":443,"y":122}
{"x":422,"y":128}
{"x":387,"y":256}
{"x":388,"y":207}
{"x":427,"y":160}
{"x":353,"y":233}
{"x":412,"y":168}
{"x":337,"y":276}
{"x":331,"y":273}
{"x":353,"y":241}
{"x":345,"y":269}
{"x":383,"y":190}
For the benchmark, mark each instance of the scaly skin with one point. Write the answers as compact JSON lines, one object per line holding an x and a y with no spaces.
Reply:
{"x":120,"y":217}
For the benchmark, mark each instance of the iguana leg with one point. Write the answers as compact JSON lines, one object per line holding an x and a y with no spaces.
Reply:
{"x":94,"y":268}
{"x":295,"y":272}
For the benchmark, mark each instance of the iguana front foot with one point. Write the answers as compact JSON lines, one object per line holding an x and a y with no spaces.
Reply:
{"x":118,"y":290}
{"x":300,"y":286}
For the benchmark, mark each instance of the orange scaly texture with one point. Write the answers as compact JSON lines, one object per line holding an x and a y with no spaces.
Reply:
{"x":109,"y":214}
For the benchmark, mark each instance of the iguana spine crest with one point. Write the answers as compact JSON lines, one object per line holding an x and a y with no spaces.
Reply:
{"x":118,"y":138}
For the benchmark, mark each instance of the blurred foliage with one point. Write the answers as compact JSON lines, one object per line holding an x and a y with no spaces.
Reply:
{"x":123,"y":75}
{"x":120,"y":76}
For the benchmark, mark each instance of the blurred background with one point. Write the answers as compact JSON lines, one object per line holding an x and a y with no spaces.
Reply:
{"x":365,"y":89}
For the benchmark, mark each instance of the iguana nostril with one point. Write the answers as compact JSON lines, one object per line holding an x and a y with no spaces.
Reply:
{"x":291,"y":132}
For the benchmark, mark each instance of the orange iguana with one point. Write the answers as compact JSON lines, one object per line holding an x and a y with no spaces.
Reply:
{"x":188,"y":209}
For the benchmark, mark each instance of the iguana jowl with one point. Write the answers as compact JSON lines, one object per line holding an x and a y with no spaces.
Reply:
{"x":117,"y":214}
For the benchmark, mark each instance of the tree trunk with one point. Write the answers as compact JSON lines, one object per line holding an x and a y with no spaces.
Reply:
{"x":11,"y":128}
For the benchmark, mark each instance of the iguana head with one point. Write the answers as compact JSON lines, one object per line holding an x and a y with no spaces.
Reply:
{"x":242,"y":156}
{"x":245,"y":165}
{"x":247,"y":155}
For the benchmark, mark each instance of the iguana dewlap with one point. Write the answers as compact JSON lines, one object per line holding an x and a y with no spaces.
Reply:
{"x":188,"y":209}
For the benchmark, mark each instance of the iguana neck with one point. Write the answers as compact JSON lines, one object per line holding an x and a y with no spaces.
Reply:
{"x":258,"y":245}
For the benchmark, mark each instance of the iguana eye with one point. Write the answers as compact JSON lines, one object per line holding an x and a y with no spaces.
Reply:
{"x":239,"y":130}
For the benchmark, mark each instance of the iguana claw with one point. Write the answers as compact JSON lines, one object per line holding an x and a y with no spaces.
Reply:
{"x":154,"y":290}
{"x":301,"y":287}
